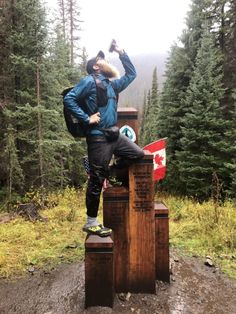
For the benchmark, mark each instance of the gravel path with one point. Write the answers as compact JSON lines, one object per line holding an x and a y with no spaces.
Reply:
{"x":194,"y":289}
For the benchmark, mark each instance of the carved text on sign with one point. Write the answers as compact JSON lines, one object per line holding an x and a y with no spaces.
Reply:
{"x":143,"y":191}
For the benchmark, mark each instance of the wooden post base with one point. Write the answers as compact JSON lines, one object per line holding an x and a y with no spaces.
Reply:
{"x":99,"y":281}
{"x":162,"y":242}
{"x":115,"y":216}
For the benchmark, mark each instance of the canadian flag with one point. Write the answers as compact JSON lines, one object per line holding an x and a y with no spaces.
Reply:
{"x":158,"y":149}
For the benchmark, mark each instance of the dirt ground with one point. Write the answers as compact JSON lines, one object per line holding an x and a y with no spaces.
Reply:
{"x":194,"y":289}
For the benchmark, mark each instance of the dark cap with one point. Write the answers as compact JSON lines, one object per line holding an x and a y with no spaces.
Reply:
{"x":91,"y":62}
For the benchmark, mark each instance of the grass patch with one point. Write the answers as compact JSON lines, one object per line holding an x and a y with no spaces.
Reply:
{"x":199,"y":229}
{"x":48,"y":243}
{"x":204,"y":229}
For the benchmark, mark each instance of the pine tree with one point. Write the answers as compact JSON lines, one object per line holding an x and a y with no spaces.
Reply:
{"x":145,"y":131}
{"x":230,"y":163}
{"x":25,"y":46}
{"x":6,"y":94}
{"x":14,"y":172}
{"x":191,"y":37}
{"x":28,"y":38}
{"x":152,"y":110}
{"x":203,"y":145}
{"x":228,"y":34}
{"x":73,"y":13}
{"x":180,"y":67}
{"x":172,"y":110}
{"x":33,"y":128}
{"x":142,"y":124}
{"x":12,"y":177}
{"x":229,"y":101}
{"x":61,"y":153}
{"x":28,"y":43}
{"x":62,"y":16}
{"x":178,"y":74}
{"x":63,"y":156}
{"x":58,"y":74}
{"x":83,"y":62}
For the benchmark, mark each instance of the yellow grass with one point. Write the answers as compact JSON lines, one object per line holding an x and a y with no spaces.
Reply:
{"x":44,"y":244}
{"x":204,"y":229}
{"x":200,"y":229}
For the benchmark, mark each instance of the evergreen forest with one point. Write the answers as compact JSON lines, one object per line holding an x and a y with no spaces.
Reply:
{"x":195,"y":110}
{"x":39,"y":59}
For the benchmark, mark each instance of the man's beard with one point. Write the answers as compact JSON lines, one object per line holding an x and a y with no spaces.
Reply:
{"x":108,"y":69}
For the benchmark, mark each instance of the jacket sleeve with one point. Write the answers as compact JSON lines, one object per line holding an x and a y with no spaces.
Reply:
{"x":130,"y":74}
{"x":73,"y":99}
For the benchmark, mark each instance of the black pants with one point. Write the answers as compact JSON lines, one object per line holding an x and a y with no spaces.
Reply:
{"x":100,"y":152}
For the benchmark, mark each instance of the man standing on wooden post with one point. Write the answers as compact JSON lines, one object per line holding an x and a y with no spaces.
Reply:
{"x":99,"y":96}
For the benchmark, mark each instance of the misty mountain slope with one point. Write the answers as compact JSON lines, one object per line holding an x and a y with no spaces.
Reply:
{"x":133,"y":96}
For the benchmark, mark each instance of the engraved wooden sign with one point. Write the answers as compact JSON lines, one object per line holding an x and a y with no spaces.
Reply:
{"x":138,"y":231}
{"x":141,"y":268}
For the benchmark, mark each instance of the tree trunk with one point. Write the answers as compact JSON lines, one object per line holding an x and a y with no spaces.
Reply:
{"x":63,"y":13}
{"x":71,"y":33}
{"x":10,"y":177}
{"x":40,"y":131}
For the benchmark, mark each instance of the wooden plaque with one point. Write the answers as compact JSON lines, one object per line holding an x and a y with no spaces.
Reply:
{"x":115,"y":216}
{"x":99,"y":271}
{"x":128,"y":116}
{"x":162,"y":241}
{"x":141,"y":268}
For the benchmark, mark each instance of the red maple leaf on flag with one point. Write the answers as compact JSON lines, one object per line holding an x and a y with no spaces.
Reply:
{"x":158,"y":159}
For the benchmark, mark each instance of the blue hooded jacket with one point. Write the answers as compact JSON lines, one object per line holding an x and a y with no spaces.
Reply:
{"x":86,"y":90}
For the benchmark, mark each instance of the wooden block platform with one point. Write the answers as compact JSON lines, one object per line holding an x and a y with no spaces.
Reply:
{"x":141,"y":267}
{"x":115,"y":216}
{"x":162,"y":241}
{"x":99,"y":271}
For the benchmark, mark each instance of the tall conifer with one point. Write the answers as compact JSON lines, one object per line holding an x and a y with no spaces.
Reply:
{"x":151,"y":112}
{"x":203,"y":145}
{"x":172,"y":109}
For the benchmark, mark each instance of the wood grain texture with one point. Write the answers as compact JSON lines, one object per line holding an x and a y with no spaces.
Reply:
{"x":162,"y":241}
{"x":115,"y":216}
{"x":99,"y":271}
{"x":141,"y":267}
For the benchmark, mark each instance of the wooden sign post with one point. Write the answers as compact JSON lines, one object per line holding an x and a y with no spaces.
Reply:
{"x":141,"y":267}
{"x":115,"y":216}
{"x":99,"y":271}
{"x":162,"y":242}
{"x":140,"y":233}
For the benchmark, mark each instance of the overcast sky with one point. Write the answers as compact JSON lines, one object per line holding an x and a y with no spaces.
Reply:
{"x":138,"y":26}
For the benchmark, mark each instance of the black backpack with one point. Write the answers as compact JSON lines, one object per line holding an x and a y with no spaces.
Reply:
{"x":76,"y":127}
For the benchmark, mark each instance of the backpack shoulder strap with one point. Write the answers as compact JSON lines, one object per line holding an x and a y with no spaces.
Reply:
{"x":100,"y":85}
{"x":117,"y":94}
